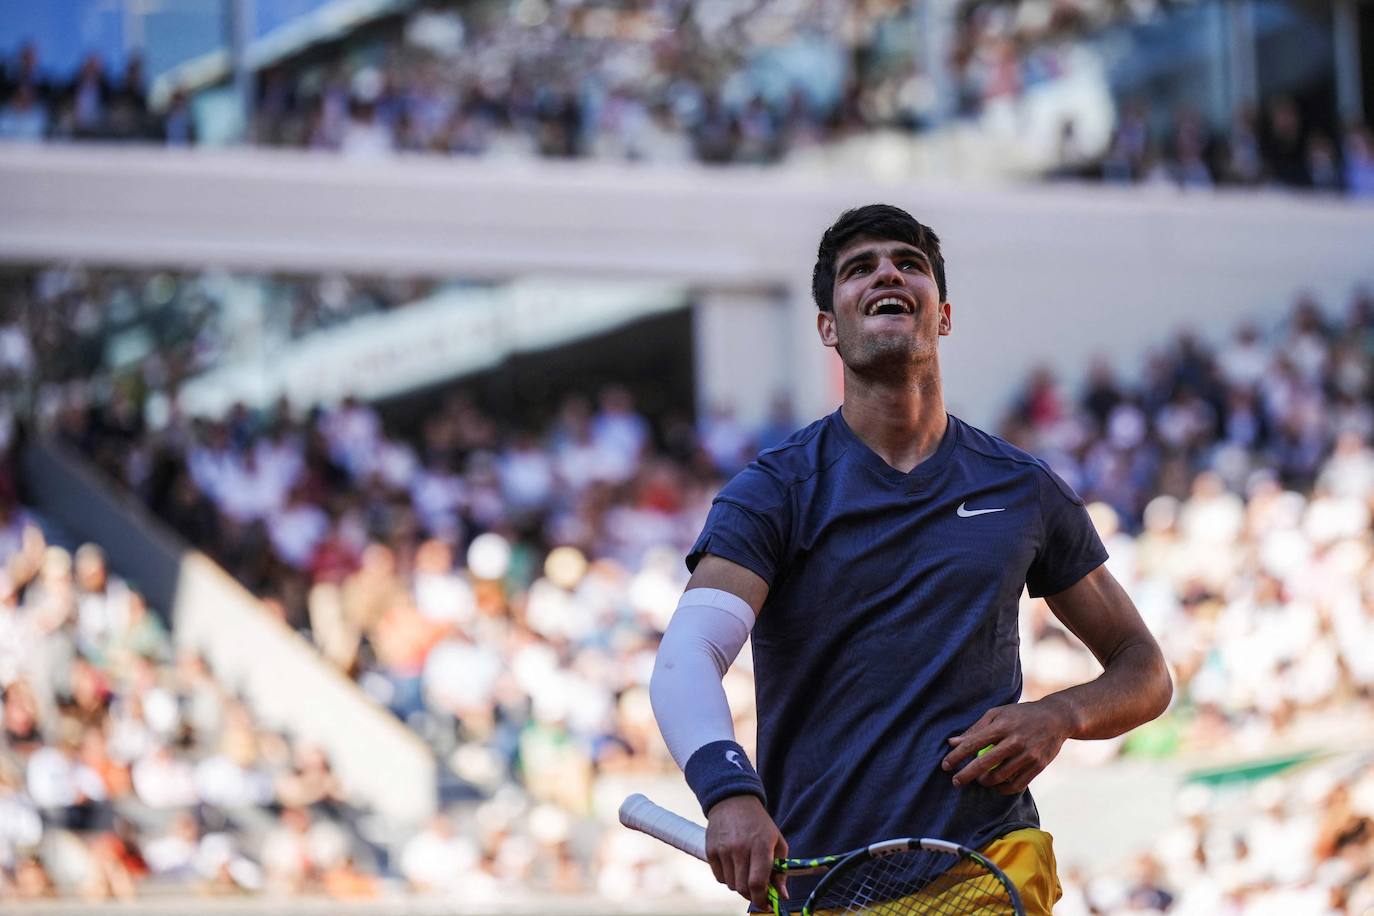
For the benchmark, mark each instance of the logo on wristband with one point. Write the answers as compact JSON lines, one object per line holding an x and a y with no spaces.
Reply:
{"x":733,"y":757}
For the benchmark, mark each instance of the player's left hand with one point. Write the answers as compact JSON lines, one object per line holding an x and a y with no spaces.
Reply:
{"x":1025,"y":738}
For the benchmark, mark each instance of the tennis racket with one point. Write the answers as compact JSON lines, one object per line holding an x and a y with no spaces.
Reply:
{"x":903,"y":877}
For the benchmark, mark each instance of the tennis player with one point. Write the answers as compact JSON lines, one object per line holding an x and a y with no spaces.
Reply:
{"x":877,"y":557}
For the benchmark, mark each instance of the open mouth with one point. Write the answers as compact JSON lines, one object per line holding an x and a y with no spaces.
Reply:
{"x":889,"y":305}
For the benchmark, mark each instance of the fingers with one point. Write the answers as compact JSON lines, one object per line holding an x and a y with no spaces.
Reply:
{"x":978,"y":736}
{"x":1019,"y":782}
{"x":780,"y":882}
{"x":722,"y":867}
{"x":747,"y":869}
{"x":1006,"y":777}
{"x":1019,"y":773}
{"x":760,"y":872}
{"x":1007,"y":768}
{"x":741,"y":842}
{"x":780,"y":877}
{"x":984,"y":766}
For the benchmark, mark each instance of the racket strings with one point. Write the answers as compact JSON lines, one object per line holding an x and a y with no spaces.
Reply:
{"x":916,"y":883}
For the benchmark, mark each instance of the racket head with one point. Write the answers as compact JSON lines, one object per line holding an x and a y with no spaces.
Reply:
{"x":907,"y":877}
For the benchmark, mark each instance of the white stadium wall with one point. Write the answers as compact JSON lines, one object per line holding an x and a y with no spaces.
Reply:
{"x":1037,"y":274}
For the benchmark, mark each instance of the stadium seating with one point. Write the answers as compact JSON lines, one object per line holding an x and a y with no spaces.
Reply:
{"x":126,"y":768}
{"x":671,"y":81}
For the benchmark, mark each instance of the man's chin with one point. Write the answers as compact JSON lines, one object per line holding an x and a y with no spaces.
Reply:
{"x":883,"y":356}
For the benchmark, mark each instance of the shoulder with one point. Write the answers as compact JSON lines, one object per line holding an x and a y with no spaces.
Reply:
{"x":771,"y":477}
{"x":995,"y":449}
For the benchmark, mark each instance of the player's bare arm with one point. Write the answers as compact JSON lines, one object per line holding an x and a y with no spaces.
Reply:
{"x":717,"y":572}
{"x":1134,"y":688}
{"x":741,"y":839}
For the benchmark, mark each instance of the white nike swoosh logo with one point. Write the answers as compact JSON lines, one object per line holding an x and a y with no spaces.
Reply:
{"x":970,"y":513}
{"x":733,"y":757}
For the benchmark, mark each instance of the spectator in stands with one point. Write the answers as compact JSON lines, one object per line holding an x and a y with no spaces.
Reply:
{"x":178,"y":124}
{"x":1322,"y":165}
{"x":84,"y":111}
{"x":1284,"y":140}
{"x":1358,"y":154}
{"x":128,"y":112}
{"x":1241,"y":158}
{"x":438,"y":858}
{"x":24,"y":117}
{"x":25,"y":70}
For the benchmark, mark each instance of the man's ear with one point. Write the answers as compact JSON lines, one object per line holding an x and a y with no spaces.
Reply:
{"x":946,"y":321}
{"x":825,"y":326}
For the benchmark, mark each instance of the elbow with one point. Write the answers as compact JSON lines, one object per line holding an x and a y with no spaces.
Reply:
{"x":658,"y":681}
{"x":1163,"y":686}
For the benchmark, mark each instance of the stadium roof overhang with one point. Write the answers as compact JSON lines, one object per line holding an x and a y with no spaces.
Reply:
{"x":328,"y":22}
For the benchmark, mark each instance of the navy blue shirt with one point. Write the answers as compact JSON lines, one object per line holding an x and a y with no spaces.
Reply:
{"x":890,"y":623}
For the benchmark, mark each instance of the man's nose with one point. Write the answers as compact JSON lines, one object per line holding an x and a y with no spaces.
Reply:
{"x":888,"y":274}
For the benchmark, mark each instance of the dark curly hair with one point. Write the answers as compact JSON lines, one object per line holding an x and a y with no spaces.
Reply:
{"x":876,"y":221}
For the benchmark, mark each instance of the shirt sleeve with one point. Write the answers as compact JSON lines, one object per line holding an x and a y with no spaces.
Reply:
{"x":1071,"y":547}
{"x":747,"y":525}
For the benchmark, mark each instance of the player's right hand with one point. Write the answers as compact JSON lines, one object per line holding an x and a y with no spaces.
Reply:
{"x":741,"y":843}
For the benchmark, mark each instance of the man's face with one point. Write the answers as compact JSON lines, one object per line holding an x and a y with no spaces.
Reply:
{"x":887,"y":312}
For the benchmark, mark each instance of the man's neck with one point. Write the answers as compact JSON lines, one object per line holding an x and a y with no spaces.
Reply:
{"x":902,"y":423}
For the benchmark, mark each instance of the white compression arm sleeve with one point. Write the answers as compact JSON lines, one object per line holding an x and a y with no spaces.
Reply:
{"x":707,"y":631}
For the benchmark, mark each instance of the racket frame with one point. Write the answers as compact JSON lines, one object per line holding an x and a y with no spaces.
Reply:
{"x":640,"y":813}
{"x":893,"y":847}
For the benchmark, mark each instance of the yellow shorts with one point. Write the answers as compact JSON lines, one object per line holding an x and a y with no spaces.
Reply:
{"x":1026,"y":856}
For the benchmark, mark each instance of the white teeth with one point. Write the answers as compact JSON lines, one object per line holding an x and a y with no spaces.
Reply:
{"x":889,"y":300}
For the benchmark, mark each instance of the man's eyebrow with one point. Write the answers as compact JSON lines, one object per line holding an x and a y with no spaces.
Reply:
{"x":869,"y":254}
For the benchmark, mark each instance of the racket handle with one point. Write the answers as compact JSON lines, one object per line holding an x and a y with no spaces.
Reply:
{"x":638,"y":813}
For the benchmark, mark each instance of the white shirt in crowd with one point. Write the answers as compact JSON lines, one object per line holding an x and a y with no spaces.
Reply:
{"x":56,"y":780}
{"x":438,"y":496}
{"x":162,"y":780}
{"x":527,"y":477}
{"x":1244,"y":361}
{"x":354,"y":434}
{"x":445,"y":597}
{"x":437,"y":858}
{"x":622,"y":433}
{"x":459,"y":674}
{"x":101,"y":615}
{"x":296,"y":531}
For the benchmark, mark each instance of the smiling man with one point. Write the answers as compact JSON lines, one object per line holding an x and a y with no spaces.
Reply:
{"x":877,"y":557}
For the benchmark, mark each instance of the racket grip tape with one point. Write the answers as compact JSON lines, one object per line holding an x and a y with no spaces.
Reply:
{"x":638,"y":813}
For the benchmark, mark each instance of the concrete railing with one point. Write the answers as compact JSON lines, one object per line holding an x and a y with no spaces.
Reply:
{"x":280,"y":675}
{"x":1036,"y":273}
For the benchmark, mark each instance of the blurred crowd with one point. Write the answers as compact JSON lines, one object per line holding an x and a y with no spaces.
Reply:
{"x":666,"y":80}
{"x":90,"y":104}
{"x":500,"y":585}
{"x":125,"y":766}
{"x":673,"y":81}
{"x":1282,"y":147}
{"x":1234,"y":487}
{"x":1301,"y":843}
{"x":660,"y":80}
{"x":663,"y":80}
